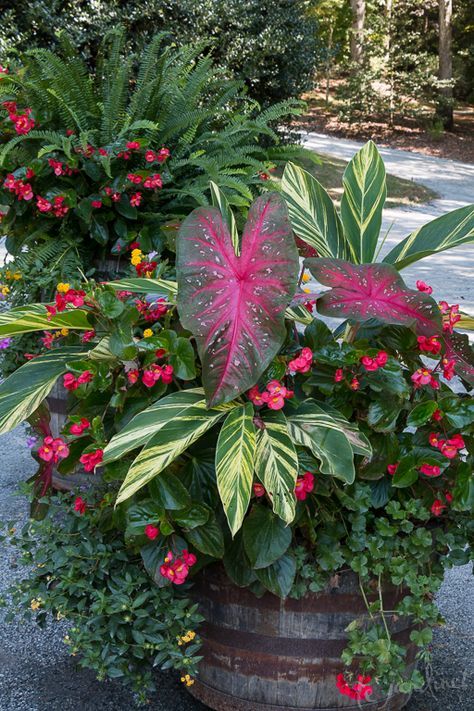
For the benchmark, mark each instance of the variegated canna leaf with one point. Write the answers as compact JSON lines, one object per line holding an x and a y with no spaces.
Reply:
{"x":445,"y":232}
{"x":141,"y":285}
{"x":362,"y":202}
{"x":322,"y":414}
{"x":220,"y":201}
{"x":235,"y":456}
{"x":34,"y":317}
{"x":312,"y":213}
{"x":24,"y":391}
{"x":372,"y":291}
{"x":235,"y":305}
{"x":147,"y":423}
{"x":169,"y":442}
{"x":276,"y":464}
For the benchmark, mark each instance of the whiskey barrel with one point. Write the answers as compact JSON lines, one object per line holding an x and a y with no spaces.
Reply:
{"x":268,"y":654}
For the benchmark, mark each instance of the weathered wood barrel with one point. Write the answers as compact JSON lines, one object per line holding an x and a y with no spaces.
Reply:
{"x":267,"y":654}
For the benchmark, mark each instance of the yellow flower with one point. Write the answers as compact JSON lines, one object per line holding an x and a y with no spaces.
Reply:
{"x":64,"y":332}
{"x":35,"y":604}
{"x":5,"y":290}
{"x":8,"y":275}
{"x":147,"y":333}
{"x":63,"y":288}
{"x":17,"y":276}
{"x":307,"y":291}
{"x":137,"y":256}
{"x":306,"y":277}
{"x":186,"y":679}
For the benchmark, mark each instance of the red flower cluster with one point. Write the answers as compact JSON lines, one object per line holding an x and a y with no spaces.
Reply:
{"x":450,"y":314}
{"x":421,"y":286}
{"x":449,"y":447}
{"x":152,"y":531}
{"x":22,"y":190}
{"x":23,"y":122}
{"x":53,"y":449}
{"x":430,"y":470}
{"x":304,"y":486}
{"x":156,"y":372}
{"x":338,"y":375}
{"x":75,"y":297}
{"x":78,"y":428}
{"x":92,"y":459}
{"x":87,"y":336}
{"x":153,"y":182}
{"x":133,"y":146}
{"x":372,"y":364}
{"x":177,"y":570}
{"x":60,"y":168}
{"x":437,"y":507}
{"x":429,"y":345}
{"x":448,"y":368}
{"x":135,"y":199}
{"x":80,"y":505}
{"x":135,"y":178}
{"x":145,"y":268}
{"x":56,"y":207}
{"x":274,"y":396}
{"x":112,"y":194}
{"x":392,"y":468}
{"x":162,"y":155}
{"x":423,"y":376}
{"x":71,"y":383}
{"x":302,"y":363}
{"x":153,"y":311}
{"x":358,"y":691}
{"x":259,"y":490}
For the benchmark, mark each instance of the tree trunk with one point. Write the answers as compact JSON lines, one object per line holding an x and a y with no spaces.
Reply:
{"x":445,"y":72}
{"x":357,"y":33}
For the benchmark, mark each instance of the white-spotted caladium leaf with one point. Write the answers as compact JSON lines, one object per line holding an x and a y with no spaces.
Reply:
{"x":366,"y":291}
{"x":235,"y":305}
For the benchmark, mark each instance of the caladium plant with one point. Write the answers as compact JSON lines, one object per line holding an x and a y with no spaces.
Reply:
{"x":234,"y":305}
{"x":370,"y":291}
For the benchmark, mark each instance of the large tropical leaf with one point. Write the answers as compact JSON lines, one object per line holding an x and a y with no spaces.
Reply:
{"x":143,"y":426}
{"x":24,"y":391}
{"x":445,"y":232}
{"x":327,"y":416}
{"x":168,"y":443}
{"x":235,"y":305}
{"x":312,"y":213}
{"x":362,"y":202}
{"x":235,"y":455}
{"x":141,"y":285}
{"x":309,"y":428}
{"x":34,"y":317}
{"x":276,"y":464}
{"x":459,"y":349}
{"x":372,"y":291}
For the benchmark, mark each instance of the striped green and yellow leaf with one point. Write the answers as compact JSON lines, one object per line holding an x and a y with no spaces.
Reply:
{"x":324,"y":415}
{"x":34,"y":317}
{"x":171,"y":440}
{"x":235,"y":455}
{"x":220,"y":201}
{"x":362,"y":202}
{"x":142,"y":285}
{"x":445,"y":232}
{"x":312,"y":213}
{"x":147,"y":423}
{"x":276,"y":464}
{"x":326,"y":441}
{"x":24,"y":391}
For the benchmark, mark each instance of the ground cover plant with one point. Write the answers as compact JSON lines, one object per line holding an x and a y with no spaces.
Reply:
{"x":224,"y":423}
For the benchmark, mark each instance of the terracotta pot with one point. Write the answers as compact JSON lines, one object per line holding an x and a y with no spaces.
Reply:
{"x":267,"y":654}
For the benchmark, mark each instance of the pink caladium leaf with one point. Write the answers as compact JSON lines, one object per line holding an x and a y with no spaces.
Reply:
{"x":366,"y":291}
{"x":235,"y":305}
{"x":458,"y":348}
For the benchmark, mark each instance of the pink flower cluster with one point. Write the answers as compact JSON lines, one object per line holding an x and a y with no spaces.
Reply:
{"x":302,"y":363}
{"x":450,"y":315}
{"x":154,"y":373}
{"x":152,"y":181}
{"x":448,"y":368}
{"x":112,"y":194}
{"x":60,"y":168}
{"x":56,"y":206}
{"x":78,"y":428}
{"x":53,"y":449}
{"x":431,"y":470}
{"x":92,"y":459}
{"x":151,"y":531}
{"x":421,"y":286}
{"x":22,"y":190}
{"x":23,"y":122}
{"x":80,"y":505}
{"x":448,"y":447}
{"x":429,"y":345}
{"x":424,"y":376}
{"x":153,"y":311}
{"x":438,"y":506}
{"x":358,"y":691}
{"x":73,"y":297}
{"x":160,"y":156}
{"x":304,"y":486}
{"x":372,"y":364}
{"x":274,"y":395}
{"x":71,"y":383}
{"x":177,"y":569}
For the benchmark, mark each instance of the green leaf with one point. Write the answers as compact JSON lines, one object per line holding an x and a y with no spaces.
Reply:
{"x":383,"y":414}
{"x":311,"y":427}
{"x":279,"y":577}
{"x":421,"y":413}
{"x":463,"y":491}
{"x":236,"y":563}
{"x":124,"y":208}
{"x":140,"y":515}
{"x":445,"y":232}
{"x":318,"y":334}
{"x":183,"y":359}
{"x":312,"y":213}
{"x":265,"y":536}
{"x":192,"y":516}
{"x":235,"y":455}
{"x":34,"y":317}
{"x":406,"y":473}
{"x":208,"y":538}
{"x":458,"y":411}
{"x":168,"y":492}
{"x":141,"y":285}
{"x":110,"y":304}
{"x":146,"y":423}
{"x":24,"y":391}
{"x":99,"y":232}
{"x":220,"y":201}
{"x":169,"y":442}
{"x":276,"y":464}
{"x":362,"y":202}
{"x":358,"y":441}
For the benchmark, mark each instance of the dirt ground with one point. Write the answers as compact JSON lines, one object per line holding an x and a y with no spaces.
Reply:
{"x":409,"y":134}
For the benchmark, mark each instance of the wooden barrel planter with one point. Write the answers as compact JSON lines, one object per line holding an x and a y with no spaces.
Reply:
{"x":268,"y":654}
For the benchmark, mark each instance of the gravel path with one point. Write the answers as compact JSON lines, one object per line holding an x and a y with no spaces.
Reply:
{"x":36,"y":673}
